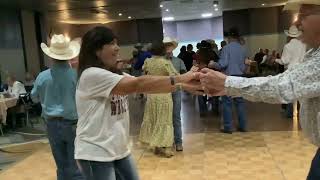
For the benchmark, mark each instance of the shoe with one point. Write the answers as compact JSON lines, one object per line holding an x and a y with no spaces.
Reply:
{"x":226,"y":131}
{"x":166,"y":152}
{"x":179,"y":147}
{"x":157,"y":151}
{"x":242,"y":130}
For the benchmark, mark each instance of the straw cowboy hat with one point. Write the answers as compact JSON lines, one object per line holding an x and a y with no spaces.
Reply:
{"x":293,"y":32}
{"x":294,"y":5}
{"x":168,"y":40}
{"x":61,"y":48}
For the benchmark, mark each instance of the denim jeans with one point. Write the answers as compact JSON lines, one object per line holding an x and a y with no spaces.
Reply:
{"x":176,"y":98}
{"x":123,"y":169}
{"x":289,"y":110}
{"x":61,"y":135}
{"x":314,"y":173}
{"x":227,"y":112}
{"x":202,"y":100}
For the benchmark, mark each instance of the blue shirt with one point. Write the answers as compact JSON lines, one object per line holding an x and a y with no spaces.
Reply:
{"x":232,"y":59}
{"x":142,"y":56}
{"x":178,"y":64}
{"x":55,"y":89}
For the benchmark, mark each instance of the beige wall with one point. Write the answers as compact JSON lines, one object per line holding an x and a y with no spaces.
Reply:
{"x":265,"y":41}
{"x":12,"y":62}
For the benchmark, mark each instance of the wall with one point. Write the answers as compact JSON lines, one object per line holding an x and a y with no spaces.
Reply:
{"x":274,"y":41}
{"x":194,"y":30}
{"x":11,"y":48}
{"x":127,"y":32}
{"x":262,"y":27}
{"x":32,"y":46}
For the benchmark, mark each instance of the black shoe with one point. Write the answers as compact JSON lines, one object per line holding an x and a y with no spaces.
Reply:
{"x":242,"y":130}
{"x":226,"y":131}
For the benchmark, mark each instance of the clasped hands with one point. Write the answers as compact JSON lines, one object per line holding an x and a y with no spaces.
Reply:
{"x":205,"y":81}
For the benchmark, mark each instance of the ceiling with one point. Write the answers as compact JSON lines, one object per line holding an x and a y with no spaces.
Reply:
{"x":193,"y":9}
{"x":104,"y":11}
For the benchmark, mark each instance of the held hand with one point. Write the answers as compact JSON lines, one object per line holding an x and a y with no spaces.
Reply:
{"x":212,"y":64}
{"x":193,"y":87}
{"x":212,"y":81}
{"x":189,"y":76}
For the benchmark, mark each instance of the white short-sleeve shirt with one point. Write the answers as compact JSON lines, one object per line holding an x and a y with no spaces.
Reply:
{"x":103,"y":124}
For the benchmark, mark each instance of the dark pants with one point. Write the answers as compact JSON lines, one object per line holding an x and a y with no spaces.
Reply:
{"x":202,"y":100}
{"x":227,"y":112}
{"x":123,"y":169}
{"x":61,"y":134}
{"x":314,"y":173}
{"x":176,"y":98}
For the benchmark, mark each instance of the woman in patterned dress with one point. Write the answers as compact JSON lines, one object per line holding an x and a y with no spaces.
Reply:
{"x":157,"y":125}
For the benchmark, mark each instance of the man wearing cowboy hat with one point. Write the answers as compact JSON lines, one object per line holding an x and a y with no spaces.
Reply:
{"x":293,"y":54}
{"x":55,"y":90}
{"x":294,"y":51}
{"x":232,"y":62}
{"x":179,"y":65}
{"x":299,"y":83}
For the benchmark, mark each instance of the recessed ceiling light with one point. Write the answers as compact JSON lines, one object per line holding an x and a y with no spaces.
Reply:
{"x":129,"y":17}
{"x":215,"y":5}
{"x":263,"y":4}
{"x":216,"y":9}
{"x":170,"y":18}
{"x":120,"y":14}
{"x":161,"y":5}
{"x":205,"y":15}
{"x":167,"y":10}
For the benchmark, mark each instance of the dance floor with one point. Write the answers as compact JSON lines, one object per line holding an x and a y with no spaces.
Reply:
{"x":207,"y":156}
{"x":273,"y":149}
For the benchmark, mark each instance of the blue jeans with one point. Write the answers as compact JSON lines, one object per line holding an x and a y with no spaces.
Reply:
{"x":123,"y":169}
{"x":314,"y":173}
{"x":176,"y":98}
{"x":289,"y":110}
{"x":227,"y":112}
{"x":61,"y":135}
{"x":202,"y":100}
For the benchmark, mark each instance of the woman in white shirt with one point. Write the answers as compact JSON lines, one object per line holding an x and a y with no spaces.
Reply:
{"x":102,"y":147}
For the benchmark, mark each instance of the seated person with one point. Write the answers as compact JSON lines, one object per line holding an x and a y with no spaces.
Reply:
{"x":15,"y":88}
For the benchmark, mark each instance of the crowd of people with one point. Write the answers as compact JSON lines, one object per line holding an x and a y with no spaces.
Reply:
{"x":86,"y":107}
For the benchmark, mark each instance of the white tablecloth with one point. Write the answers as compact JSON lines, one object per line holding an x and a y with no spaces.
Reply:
{"x":4,"y":105}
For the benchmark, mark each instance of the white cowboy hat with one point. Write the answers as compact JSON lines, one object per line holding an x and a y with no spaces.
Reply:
{"x":294,"y":5}
{"x":138,"y":45}
{"x":293,"y":32}
{"x":61,"y":48}
{"x":171,"y":41}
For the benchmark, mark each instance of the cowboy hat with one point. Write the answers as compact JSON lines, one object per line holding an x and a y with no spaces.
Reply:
{"x":168,"y":40}
{"x":293,"y":32}
{"x":294,"y":5}
{"x":61,"y":48}
{"x":138,"y":45}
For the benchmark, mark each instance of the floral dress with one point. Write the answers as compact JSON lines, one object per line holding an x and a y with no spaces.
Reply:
{"x":157,"y":126}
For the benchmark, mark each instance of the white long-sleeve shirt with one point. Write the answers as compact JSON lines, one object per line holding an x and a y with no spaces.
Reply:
{"x":293,"y":53}
{"x":299,"y":83}
{"x":17,"y":89}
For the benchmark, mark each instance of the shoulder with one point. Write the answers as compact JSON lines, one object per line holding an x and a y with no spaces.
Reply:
{"x":43,"y":75}
{"x":94,"y":71}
